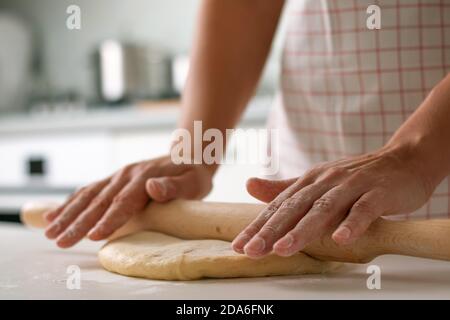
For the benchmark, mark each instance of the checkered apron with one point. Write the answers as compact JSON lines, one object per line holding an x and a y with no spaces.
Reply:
{"x":345,"y":89}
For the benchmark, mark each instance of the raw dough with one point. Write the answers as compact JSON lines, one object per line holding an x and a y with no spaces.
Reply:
{"x":158,"y":256}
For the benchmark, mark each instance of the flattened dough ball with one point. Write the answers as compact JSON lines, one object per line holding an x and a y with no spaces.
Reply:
{"x":158,"y":256}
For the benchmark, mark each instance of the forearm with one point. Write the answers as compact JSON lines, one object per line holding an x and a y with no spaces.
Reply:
{"x":230,"y":49}
{"x":427,"y":134}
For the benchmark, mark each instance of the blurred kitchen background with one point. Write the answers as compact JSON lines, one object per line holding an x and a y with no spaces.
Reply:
{"x":76,"y":105}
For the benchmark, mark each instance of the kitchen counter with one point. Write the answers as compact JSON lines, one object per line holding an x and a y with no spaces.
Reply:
{"x":126,"y":117}
{"x":33,"y":268}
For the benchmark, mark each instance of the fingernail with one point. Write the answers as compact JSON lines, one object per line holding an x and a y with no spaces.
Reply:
{"x":343,"y":232}
{"x":286,"y":242}
{"x":52,"y":230}
{"x":161,"y":187}
{"x":255,"y":246}
{"x":97,"y":232}
{"x":240,"y":241}
{"x":93,"y":234}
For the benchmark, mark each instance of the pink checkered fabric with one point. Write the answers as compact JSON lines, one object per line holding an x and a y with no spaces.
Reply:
{"x":346,"y":89}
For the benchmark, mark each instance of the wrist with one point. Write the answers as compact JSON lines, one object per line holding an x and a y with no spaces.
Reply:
{"x":414,"y":154}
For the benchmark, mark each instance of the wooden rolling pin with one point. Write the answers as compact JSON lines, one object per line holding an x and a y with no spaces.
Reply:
{"x":223,"y":221}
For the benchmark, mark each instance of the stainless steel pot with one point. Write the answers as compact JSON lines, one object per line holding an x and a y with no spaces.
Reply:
{"x":131,"y":71}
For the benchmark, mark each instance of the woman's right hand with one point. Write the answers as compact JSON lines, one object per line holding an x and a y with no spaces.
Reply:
{"x":100,"y":208}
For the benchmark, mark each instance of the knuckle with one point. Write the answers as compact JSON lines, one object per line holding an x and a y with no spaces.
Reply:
{"x":119,"y":200}
{"x":364,"y":207}
{"x":295,"y":234}
{"x":271,"y":208}
{"x":290,"y":203}
{"x":268,"y":231}
{"x":285,"y":213}
{"x":335,"y":172}
{"x":305,"y":195}
{"x":251,"y":230}
{"x":122,"y":209}
{"x":313,"y":172}
{"x":352,"y":224}
{"x":63,"y":219}
{"x":100,"y":203}
{"x":323,"y":204}
{"x":337,"y":192}
{"x":66,"y":218}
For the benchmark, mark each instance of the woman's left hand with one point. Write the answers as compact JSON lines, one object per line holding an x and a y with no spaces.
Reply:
{"x":343,"y":196}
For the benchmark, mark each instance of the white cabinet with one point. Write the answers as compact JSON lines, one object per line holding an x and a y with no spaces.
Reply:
{"x":67,"y":159}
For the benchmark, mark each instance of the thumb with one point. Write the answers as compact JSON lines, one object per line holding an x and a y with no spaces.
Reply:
{"x":163,"y":189}
{"x":267,"y":190}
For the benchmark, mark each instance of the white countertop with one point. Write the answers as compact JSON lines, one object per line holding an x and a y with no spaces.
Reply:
{"x":33,"y":268}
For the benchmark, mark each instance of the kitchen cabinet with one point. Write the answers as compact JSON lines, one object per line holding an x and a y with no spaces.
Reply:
{"x":67,"y":159}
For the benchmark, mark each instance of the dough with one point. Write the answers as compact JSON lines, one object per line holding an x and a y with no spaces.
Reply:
{"x":158,"y":256}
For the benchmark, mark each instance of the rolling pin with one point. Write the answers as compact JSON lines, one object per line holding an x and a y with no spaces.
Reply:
{"x":210,"y":220}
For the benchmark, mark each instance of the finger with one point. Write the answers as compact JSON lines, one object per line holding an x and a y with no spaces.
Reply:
{"x":89,"y":217}
{"x":131,"y":199}
{"x":163,"y":189}
{"x":328,"y":180}
{"x":285,"y":218}
{"x":247,"y":234}
{"x":365,"y":210}
{"x":267,"y":190}
{"x":50,"y":215}
{"x":171,"y":169}
{"x":73,"y":209}
{"x":325,"y":213}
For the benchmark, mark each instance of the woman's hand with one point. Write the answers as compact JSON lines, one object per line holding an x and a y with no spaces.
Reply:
{"x":344,"y":196}
{"x":99,"y":209}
